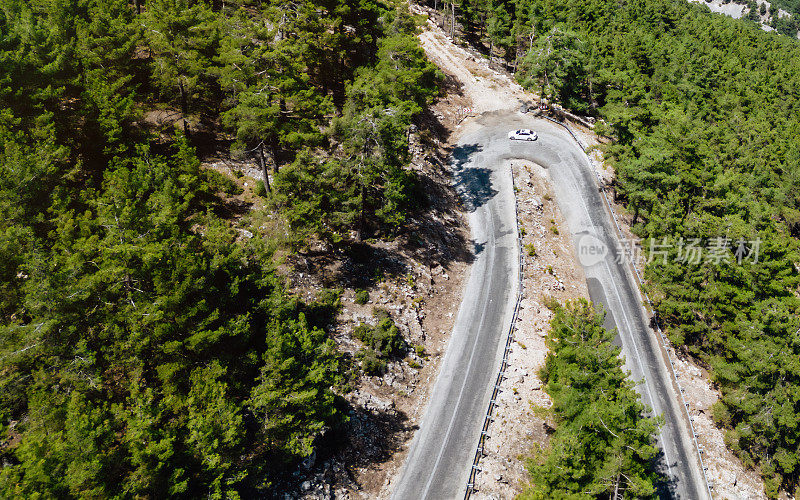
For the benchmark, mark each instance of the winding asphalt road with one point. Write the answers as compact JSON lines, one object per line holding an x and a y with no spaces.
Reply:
{"x":441,"y":453}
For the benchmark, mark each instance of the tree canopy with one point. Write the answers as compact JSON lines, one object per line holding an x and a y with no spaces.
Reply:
{"x":604,"y":445}
{"x":146,"y":348}
{"x":703,"y":112}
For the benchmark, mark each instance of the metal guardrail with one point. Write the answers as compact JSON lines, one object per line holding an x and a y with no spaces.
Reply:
{"x":480,"y":451}
{"x":665,"y":343}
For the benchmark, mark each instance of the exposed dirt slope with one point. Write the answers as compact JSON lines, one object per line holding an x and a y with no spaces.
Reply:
{"x":486,"y":89}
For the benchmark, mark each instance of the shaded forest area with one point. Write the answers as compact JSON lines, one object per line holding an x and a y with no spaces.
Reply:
{"x":704,"y":113}
{"x":146,"y":350}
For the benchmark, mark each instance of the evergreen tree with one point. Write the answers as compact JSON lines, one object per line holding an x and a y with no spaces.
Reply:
{"x":603,"y":447}
{"x":183,"y":38}
{"x":499,"y":28}
{"x":556,"y":65}
{"x":276,"y":108}
{"x":366,"y":183}
{"x":145,"y":350}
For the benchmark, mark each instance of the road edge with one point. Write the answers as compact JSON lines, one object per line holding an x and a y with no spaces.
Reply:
{"x":488,"y":419}
{"x":661,"y":340}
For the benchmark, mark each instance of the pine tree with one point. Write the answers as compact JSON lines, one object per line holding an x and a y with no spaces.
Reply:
{"x":604,"y":446}
{"x":556,"y":65}
{"x":183,"y":38}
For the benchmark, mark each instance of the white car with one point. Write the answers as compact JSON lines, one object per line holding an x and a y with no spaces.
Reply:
{"x":522,"y":135}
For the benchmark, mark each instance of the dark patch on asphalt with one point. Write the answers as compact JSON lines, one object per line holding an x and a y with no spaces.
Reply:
{"x":475,"y":187}
{"x":462,"y":153}
{"x":598,"y":297}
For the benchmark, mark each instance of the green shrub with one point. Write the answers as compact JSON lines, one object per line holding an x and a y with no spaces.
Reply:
{"x":551,"y":303}
{"x":260,"y":190}
{"x":220,"y":183}
{"x":371,"y":362}
{"x":362,"y":297}
{"x":531,"y":249}
{"x":330,"y":297}
{"x":384,"y":338}
{"x":324,"y":309}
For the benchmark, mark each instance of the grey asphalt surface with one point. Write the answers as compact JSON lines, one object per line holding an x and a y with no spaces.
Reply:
{"x":441,"y":453}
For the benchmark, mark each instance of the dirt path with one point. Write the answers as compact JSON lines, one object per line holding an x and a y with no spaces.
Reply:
{"x":486,"y":89}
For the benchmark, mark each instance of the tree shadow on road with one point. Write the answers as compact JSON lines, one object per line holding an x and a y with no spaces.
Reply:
{"x":666,"y":488}
{"x":473,"y":184}
{"x":461,"y":154}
